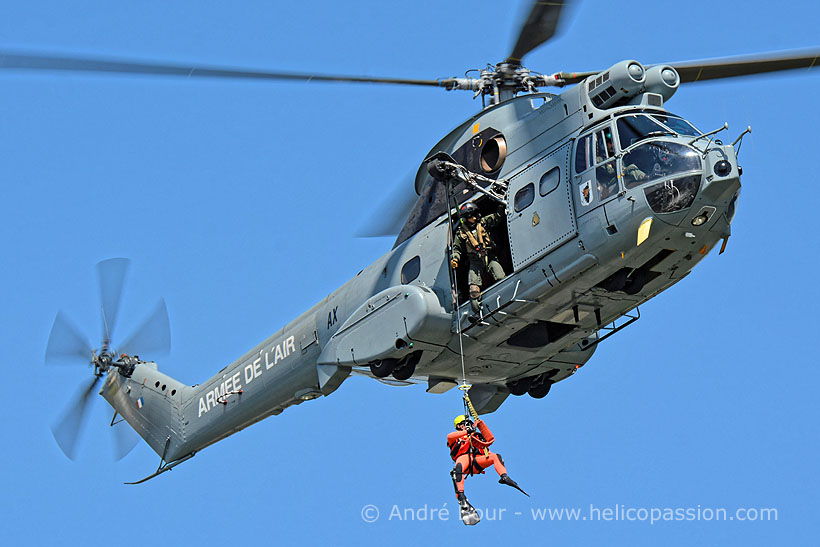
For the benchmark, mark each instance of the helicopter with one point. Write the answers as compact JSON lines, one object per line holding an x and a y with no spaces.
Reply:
{"x":584,"y":253}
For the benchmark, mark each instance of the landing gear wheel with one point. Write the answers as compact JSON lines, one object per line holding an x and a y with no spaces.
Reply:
{"x":616,"y":281}
{"x":405,"y":371}
{"x":407,"y":366}
{"x":520,"y":386}
{"x":383,"y":368}
{"x":636,"y":282}
{"x":540,"y":391}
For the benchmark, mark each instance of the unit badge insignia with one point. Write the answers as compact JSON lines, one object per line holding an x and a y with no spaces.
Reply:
{"x":586,"y":193}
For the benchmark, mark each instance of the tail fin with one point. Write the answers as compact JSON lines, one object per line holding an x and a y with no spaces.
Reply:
{"x":152,"y":404}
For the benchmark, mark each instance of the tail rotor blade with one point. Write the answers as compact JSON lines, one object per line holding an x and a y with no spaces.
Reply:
{"x":153,"y":337}
{"x":66,"y":343}
{"x":67,"y":429}
{"x":111,"y":276}
{"x":125,"y":439}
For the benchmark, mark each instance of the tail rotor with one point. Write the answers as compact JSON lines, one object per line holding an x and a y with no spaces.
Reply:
{"x":68,"y":346}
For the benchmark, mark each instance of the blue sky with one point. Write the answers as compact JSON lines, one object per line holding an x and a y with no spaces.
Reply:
{"x":238,"y":201}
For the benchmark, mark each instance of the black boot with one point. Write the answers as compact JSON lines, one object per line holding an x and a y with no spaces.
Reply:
{"x":469,"y":516}
{"x":505,"y":479}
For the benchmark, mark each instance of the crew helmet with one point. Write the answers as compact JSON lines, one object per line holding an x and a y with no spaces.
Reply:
{"x":468,"y":209}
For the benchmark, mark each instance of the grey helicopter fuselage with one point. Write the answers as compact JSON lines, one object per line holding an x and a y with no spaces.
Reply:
{"x":610,"y":200}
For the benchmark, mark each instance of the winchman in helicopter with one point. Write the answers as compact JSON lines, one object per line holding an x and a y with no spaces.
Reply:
{"x":469,"y":448}
{"x":473,"y":239}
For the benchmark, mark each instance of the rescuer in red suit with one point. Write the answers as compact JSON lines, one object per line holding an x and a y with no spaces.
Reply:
{"x":469,"y":449}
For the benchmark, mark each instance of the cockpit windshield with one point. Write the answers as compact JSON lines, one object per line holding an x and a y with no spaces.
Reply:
{"x":637,"y":127}
{"x":656,"y":160}
{"x":677,"y":124}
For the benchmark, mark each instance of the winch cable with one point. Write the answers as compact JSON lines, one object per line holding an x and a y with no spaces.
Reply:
{"x":464,"y":387}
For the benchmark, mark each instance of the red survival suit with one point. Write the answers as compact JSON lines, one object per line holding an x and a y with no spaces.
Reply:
{"x":470,"y":452}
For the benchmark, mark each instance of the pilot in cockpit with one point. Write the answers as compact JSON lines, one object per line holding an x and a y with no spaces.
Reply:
{"x":631,"y":173}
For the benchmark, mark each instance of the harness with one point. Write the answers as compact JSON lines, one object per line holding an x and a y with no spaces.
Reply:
{"x":478,"y":243}
{"x":472,"y":467}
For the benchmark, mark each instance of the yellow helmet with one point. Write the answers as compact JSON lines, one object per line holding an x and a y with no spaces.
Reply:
{"x":460,"y":418}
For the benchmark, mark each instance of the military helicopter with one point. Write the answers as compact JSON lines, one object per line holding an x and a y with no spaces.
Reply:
{"x":585,"y":240}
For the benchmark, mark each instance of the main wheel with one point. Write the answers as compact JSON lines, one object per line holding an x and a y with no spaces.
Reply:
{"x":616,"y":281}
{"x":540,"y":391}
{"x":520,"y":386}
{"x":407,"y":366}
{"x":404,"y":372}
{"x":383,"y":368}
{"x":636,"y":282}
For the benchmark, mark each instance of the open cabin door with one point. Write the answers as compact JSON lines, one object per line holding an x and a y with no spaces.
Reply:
{"x":540,"y":215}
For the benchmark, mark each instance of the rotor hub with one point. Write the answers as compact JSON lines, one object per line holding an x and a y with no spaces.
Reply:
{"x":503,"y":81}
{"x":102,"y":362}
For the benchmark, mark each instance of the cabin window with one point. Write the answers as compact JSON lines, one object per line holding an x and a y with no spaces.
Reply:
{"x":410,"y":270}
{"x":549,"y":181}
{"x":524,"y":197}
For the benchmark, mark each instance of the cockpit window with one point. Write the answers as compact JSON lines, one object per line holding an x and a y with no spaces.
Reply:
{"x":633,"y":128}
{"x":604,"y":147}
{"x":656,"y":160}
{"x":594,"y":149}
{"x":582,"y":153}
{"x":678,"y":125}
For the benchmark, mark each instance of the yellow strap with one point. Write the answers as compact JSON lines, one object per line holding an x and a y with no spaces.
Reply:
{"x":474,"y":414}
{"x":482,"y":234}
{"x":468,"y":235}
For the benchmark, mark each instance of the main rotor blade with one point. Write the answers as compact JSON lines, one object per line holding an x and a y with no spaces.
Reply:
{"x":730,"y":67}
{"x":153,"y":337}
{"x":65,"y":343}
{"x":67,"y":429}
{"x":15,"y":60}
{"x":539,"y":27}
{"x":391,"y":213}
{"x":727,"y":67}
{"x":111,"y":276}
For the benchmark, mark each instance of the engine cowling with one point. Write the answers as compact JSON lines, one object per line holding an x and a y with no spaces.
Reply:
{"x":616,"y":85}
{"x":663,"y":80}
